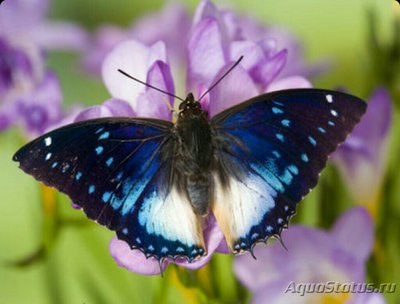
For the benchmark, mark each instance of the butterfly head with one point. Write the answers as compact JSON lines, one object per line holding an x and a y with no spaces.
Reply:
{"x":190,"y":108}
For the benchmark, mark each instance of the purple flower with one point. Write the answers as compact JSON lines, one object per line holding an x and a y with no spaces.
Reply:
{"x":40,"y":109}
{"x":23,"y":23}
{"x":212,"y":48}
{"x":170,"y":25}
{"x":145,"y":63}
{"x":28,"y":94}
{"x":312,"y":256}
{"x":242,"y":27}
{"x":362,"y":157}
{"x":210,"y":51}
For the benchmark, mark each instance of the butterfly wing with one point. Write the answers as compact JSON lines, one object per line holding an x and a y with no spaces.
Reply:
{"x":119,"y":171}
{"x":271,"y":150}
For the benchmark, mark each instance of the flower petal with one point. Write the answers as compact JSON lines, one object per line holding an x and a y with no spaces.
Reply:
{"x":204,"y":101}
{"x":277,"y":293}
{"x":59,"y":36}
{"x":118,"y":107}
{"x":21,"y":15}
{"x":133,"y":58}
{"x":133,"y":259}
{"x":110,"y":108}
{"x":75,"y":206}
{"x":171,"y":25}
{"x":273,"y":258}
{"x":312,"y":256}
{"x":368,"y":298}
{"x":153,"y":103}
{"x":204,"y":10}
{"x":354,"y":233}
{"x":6,"y":118}
{"x":92,"y":113}
{"x":292,"y":82}
{"x":251,"y":52}
{"x":361,"y":159}
{"x":375,"y":124}
{"x":206,"y":52}
{"x":105,"y":39}
{"x":264,"y":72}
{"x":213,"y":237}
{"x":41,"y":108}
{"x":235,"y":88}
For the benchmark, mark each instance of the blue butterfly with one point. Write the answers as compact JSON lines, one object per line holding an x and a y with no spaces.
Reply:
{"x":152,"y":181}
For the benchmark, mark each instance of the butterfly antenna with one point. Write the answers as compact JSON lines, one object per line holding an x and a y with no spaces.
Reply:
{"x":222,"y":77}
{"x":149,"y":85}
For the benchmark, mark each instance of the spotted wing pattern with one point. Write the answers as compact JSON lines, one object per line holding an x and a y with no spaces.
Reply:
{"x":272,"y":149}
{"x":118,"y":170}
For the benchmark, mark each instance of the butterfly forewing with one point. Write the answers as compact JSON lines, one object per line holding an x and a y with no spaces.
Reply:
{"x":272,"y":148}
{"x":118,"y":170}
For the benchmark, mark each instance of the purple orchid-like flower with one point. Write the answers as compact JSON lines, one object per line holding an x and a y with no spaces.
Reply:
{"x":23,"y":23}
{"x":29,"y":95}
{"x":313,"y":256}
{"x":362,"y":157}
{"x":241,"y":27}
{"x":210,"y":52}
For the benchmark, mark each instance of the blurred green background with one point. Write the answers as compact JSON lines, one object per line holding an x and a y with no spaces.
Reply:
{"x":79,"y":268}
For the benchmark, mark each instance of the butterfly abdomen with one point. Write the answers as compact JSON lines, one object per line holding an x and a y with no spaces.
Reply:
{"x":193,"y":159}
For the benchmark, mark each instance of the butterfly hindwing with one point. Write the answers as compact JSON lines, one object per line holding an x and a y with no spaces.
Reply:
{"x":118,"y":170}
{"x":271,"y":150}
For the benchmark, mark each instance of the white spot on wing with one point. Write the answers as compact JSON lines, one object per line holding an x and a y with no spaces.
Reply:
{"x":47,"y":141}
{"x":329,"y":98}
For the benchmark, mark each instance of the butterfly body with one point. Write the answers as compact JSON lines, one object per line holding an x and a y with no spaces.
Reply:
{"x":194,"y":155}
{"x":152,"y":181}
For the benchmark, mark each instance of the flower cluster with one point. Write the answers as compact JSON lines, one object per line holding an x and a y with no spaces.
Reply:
{"x":312,"y":256}
{"x":30,"y":94}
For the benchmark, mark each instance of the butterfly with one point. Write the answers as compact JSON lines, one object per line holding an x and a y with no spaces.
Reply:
{"x":153,"y":181}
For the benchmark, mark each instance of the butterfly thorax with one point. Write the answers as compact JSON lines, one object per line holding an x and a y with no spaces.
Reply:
{"x":194,"y":154}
